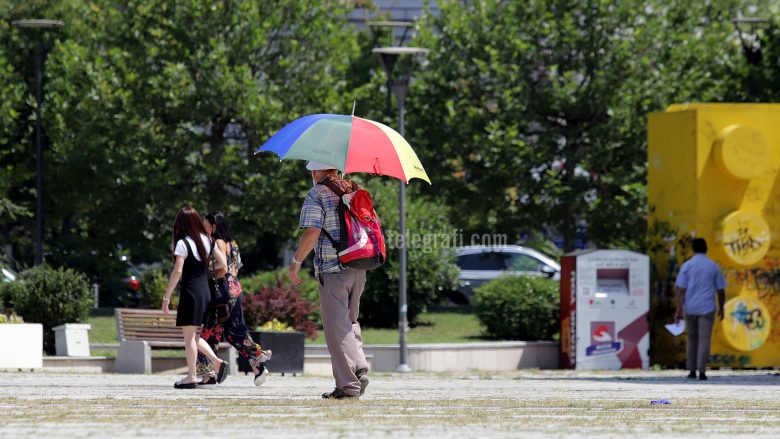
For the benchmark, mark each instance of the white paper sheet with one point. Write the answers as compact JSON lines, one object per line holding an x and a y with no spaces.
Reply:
{"x":676,"y":328}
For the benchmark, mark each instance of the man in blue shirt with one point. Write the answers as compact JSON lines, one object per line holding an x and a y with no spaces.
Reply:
{"x":697,"y":282}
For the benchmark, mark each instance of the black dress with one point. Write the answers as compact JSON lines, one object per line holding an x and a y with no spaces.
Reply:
{"x":195,"y":295}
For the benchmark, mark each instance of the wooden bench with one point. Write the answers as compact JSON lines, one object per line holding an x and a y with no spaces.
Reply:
{"x":140,"y":330}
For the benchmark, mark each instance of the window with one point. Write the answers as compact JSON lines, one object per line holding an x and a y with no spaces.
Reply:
{"x":521,"y":262}
{"x":482,"y":261}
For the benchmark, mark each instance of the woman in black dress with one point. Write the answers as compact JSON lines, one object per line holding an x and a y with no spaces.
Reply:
{"x":191,"y":251}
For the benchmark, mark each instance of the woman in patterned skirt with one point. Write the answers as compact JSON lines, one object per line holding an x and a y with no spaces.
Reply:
{"x":234,"y":329}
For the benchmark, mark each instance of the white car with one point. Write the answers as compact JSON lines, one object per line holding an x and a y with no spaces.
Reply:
{"x":481,"y":264}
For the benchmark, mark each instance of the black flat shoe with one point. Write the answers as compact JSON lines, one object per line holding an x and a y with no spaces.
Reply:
{"x":180,"y":385}
{"x":223,"y":372}
{"x":211,"y":381}
{"x":338,"y":394}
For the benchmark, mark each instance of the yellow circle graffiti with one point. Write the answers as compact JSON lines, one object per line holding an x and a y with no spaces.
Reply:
{"x":746,"y":323}
{"x":744,"y":236}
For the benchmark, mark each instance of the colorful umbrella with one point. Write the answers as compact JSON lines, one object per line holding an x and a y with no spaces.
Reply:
{"x":348,"y":143}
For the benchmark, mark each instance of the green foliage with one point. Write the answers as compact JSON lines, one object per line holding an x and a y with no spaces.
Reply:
{"x":9,"y":290}
{"x":53,"y":297}
{"x":153,"y":284}
{"x":531,"y":115}
{"x":431,"y":269}
{"x":262,"y":279}
{"x":519,"y":307}
{"x":151,"y":105}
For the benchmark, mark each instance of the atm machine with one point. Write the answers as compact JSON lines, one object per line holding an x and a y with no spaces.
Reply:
{"x":604,"y":310}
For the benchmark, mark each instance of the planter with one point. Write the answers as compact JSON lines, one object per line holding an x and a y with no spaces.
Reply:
{"x":21,"y":345}
{"x":287,"y":350}
{"x":72,"y":339}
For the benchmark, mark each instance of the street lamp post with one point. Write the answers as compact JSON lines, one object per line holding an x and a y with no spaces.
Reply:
{"x":400,"y":86}
{"x":39,"y":59}
{"x":751,"y":44}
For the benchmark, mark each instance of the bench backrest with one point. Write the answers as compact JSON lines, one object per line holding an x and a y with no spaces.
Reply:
{"x":146,"y":324}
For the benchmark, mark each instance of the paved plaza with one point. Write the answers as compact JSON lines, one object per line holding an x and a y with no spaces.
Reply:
{"x":513,"y":404}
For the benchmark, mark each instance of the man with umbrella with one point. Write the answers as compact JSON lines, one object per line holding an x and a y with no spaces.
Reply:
{"x":350,"y":144}
{"x":340,"y":287}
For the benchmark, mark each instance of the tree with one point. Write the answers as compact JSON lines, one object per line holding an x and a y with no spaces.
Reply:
{"x":531,"y":115}
{"x":154,"y":104}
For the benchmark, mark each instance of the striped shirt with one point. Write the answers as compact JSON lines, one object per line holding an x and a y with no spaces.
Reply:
{"x":320,"y":210}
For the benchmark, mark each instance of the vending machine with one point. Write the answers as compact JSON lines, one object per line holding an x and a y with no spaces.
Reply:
{"x":604,"y":310}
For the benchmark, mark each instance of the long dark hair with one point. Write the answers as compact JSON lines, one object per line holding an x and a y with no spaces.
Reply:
{"x":220,"y":223}
{"x":188,"y":223}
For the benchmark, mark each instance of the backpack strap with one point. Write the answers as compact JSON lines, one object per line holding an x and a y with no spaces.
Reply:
{"x":330,"y":184}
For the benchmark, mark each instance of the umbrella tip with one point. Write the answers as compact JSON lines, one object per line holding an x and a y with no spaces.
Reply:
{"x":354,"y":104}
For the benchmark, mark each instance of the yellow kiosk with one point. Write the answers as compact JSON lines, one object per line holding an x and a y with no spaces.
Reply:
{"x":713,"y":172}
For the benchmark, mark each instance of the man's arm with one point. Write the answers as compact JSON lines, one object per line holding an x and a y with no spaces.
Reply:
{"x":305,"y":246}
{"x":721,"y":302}
{"x":678,"y":315}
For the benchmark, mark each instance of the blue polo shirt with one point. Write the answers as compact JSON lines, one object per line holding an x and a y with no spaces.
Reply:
{"x":701,"y":278}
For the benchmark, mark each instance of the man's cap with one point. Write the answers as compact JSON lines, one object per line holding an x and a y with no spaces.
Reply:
{"x":317,"y":166}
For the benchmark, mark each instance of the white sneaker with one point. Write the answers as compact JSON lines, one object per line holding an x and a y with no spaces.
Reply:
{"x":261,"y":377}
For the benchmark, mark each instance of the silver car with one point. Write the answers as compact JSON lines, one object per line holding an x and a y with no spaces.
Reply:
{"x":481,"y":264}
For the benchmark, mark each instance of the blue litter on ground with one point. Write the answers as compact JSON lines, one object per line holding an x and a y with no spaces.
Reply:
{"x":660,"y":401}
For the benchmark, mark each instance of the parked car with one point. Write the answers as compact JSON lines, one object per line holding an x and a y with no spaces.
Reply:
{"x":123,"y":286}
{"x":481,"y":264}
{"x":7,"y":274}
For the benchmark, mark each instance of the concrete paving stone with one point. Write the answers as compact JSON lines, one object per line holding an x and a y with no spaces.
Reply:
{"x":525,"y":403}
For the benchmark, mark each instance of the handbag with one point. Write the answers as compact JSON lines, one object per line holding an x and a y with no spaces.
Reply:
{"x":220,"y":309}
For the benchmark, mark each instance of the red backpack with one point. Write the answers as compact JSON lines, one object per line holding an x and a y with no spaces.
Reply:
{"x":362,"y":244}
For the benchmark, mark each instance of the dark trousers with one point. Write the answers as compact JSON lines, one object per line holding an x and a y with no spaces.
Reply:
{"x":699,"y":328}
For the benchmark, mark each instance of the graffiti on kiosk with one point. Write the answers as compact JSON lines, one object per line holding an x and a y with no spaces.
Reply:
{"x":744,"y":244}
{"x":752,"y":319}
{"x":730,"y":360}
{"x":763,"y":280}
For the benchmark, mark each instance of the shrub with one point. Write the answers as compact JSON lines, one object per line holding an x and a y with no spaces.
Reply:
{"x":263,"y":279}
{"x":283,"y":304}
{"x":267,"y":279}
{"x":53,"y":297}
{"x":519,"y":307}
{"x":431,"y":269}
{"x":7,"y":291}
{"x":153,"y":284}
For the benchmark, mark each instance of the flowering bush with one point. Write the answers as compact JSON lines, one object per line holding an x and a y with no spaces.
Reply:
{"x":276,"y":326}
{"x":10,"y":318}
{"x":283,"y":304}
{"x":309,"y":286}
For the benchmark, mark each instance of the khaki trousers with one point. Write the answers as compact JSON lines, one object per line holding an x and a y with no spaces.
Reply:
{"x":699,"y":328}
{"x":340,"y":306}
